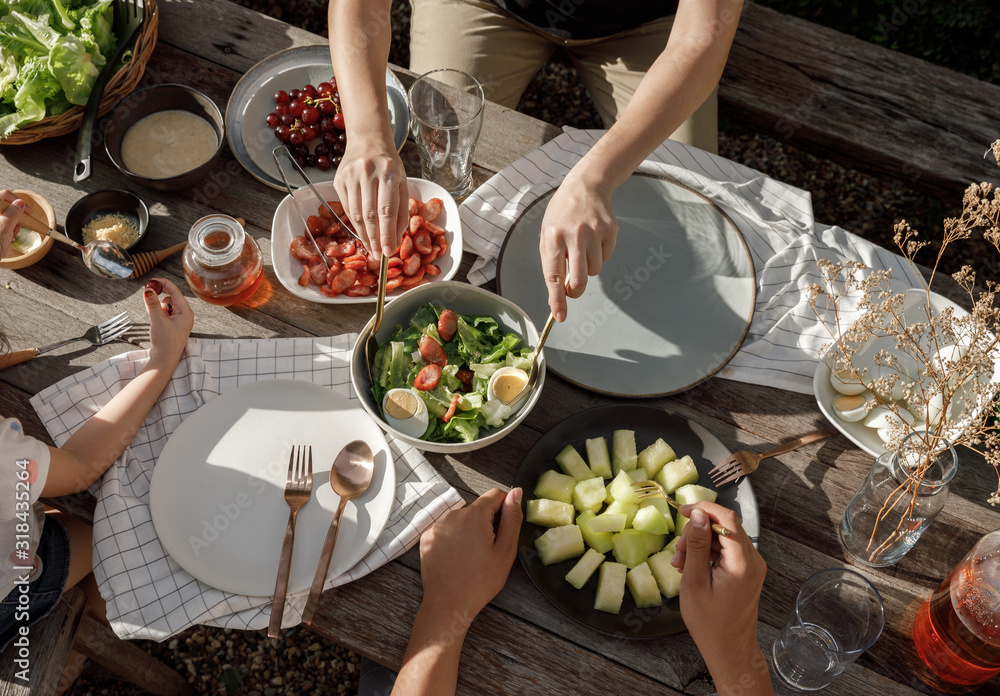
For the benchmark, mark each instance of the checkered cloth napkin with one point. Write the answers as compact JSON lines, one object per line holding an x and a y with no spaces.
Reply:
{"x":148,"y":595}
{"x":775,"y":219}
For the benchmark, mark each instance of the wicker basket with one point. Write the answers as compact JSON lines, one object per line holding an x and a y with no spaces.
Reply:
{"x":118,"y":87}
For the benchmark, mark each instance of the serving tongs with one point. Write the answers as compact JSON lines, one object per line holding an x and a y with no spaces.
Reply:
{"x":371,"y":343}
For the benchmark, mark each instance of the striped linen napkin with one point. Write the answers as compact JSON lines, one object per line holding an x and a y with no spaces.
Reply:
{"x":775,"y":219}
{"x":148,"y":595}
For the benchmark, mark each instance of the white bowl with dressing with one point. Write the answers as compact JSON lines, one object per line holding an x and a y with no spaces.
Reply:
{"x":191,"y":157}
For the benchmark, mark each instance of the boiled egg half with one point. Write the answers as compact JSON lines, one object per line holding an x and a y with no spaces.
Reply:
{"x":505,"y":384}
{"x":405,"y":411}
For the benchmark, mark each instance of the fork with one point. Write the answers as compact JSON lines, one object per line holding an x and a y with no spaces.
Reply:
{"x":98,"y":335}
{"x":129,"y":16}
{"x":743,"y":463}
{"x":651,"y":489}
{"x":298,"y":490}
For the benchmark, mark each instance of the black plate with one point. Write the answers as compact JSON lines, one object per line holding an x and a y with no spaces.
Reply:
{"x":649,"y":423}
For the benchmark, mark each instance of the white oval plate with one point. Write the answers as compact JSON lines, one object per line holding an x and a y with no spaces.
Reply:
{"x":217,"y":496}
{"x":287,"y":225}
{"x":864,"y":437}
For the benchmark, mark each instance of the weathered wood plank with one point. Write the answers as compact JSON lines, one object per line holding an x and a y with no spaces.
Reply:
{"x":859,"y":104}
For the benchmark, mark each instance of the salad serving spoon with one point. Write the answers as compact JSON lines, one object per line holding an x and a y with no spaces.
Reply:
{"x":350,"y":476}
{"x":533,"y":374}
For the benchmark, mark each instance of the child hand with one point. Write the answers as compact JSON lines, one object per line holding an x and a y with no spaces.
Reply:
{"x":170,"y":322}
{"x":463,"y":563}
{"x":9,"y":220}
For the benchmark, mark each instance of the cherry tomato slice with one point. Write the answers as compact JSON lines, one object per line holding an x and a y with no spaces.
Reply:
{"x":465,"y":376}
{"x":447,"y":324}
{"x":432,"y":352}
{"x":427,"y":378}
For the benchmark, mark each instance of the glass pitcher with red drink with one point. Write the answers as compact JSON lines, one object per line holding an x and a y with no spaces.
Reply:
{"x":957,"y":631}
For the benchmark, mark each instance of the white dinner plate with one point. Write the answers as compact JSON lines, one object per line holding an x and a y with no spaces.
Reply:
{"x":252,"y":100}
{"x":287,"y":225}
{"x":669,"y":309}
{"x":857,"y":432}
{"x":217,"y":493}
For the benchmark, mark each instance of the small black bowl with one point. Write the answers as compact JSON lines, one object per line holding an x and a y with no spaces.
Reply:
{"x":154,"y":99}
{"x":104,"y":203}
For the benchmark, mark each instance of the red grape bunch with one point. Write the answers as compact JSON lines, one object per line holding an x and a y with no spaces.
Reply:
{"x":303,"y":115}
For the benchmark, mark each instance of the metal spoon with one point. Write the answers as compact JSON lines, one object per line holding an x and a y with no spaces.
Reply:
{"x":104,"y":258}
{"x":350,"y":476}
{"x":533,"y":374}
{"x":371,"y":343}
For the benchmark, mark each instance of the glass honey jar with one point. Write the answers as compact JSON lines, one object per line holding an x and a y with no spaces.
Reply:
{"x":222,"y":263}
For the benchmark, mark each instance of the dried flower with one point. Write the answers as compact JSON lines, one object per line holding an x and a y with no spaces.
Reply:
{"x":940,"y":365}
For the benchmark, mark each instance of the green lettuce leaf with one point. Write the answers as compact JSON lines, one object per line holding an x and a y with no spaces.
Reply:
{"x":76,"y":63}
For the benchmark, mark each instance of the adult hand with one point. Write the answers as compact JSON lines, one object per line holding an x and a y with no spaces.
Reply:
{"x":371,"y":183}
{"x":720,"y":590}
{"x":10,"y":218}
{"x":170,"y":322}
{"x":578,"y":235}
{"x":463,"y":562}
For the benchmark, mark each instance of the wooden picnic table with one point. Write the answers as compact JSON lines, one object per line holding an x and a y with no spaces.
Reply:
{"x":520,"y":644}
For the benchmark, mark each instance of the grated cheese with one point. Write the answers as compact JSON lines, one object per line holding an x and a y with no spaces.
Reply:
{"x":113,"y":227}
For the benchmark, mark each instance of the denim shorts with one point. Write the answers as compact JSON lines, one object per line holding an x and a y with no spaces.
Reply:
{"x":47,"y":589}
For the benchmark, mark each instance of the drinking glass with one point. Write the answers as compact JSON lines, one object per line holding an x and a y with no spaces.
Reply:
{"x":837,"y":616}
{"x":446,"y":116}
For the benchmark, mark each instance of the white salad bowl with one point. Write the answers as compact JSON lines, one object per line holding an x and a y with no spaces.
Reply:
{"x":464,"y":299}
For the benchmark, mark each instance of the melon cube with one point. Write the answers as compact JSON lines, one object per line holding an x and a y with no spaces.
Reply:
{"x":654,"y":542}
{"x":555,"y":486}
{"x":677,"y":473}
{"x":672,"y":546}
{"x":630,"y":547}
{"x":620,"y":508}
{"x":638,"y":474}
{"x":655,"y":456}
{"x":691,"y":494}
{"x":610,"y":587}
{"x":609,"y":522}
{"x":560,"y":544}
{"x":589,"y":495}
{"x":597,"y":540}
{"x":608,"y":498}
{"x":642,"y":585}
{"x":668,"y":578}
{"x":661,"y":505}
{"x":598,"y":457}
{"x":621,"y":489}
{"x":549,"y":513}
{"x":584,"y":568}
{"x":623,"y":456}
{"x":649,"y":519}
{"x":570,"y":461}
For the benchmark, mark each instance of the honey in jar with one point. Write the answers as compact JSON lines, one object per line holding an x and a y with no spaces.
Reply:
{"x":222,"y":264}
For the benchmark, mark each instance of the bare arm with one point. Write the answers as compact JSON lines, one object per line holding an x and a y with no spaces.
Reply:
{"x":579,"y":227}
{"x":370,"y":180}
{"x":463,"y":565}
{"x":101,"y":440}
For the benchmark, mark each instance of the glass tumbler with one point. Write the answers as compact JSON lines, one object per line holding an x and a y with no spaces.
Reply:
{"x":838,"y":615}
{"x":879,"y":525}
{"x":446,"y":116}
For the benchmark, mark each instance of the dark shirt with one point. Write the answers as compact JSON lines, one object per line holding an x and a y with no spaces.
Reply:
{"x":587,"y":19}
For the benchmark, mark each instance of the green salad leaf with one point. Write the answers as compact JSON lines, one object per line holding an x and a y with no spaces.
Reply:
{"x":51,"y":52}
{"x":479,"y":345}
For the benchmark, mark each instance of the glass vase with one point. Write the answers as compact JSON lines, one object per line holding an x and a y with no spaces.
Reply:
{"x":901,"y":496}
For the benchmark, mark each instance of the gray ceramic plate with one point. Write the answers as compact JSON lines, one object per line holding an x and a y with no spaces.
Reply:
{"x":253,"y":99}
{"x":649,"y":423}
{"x":669,"y":309}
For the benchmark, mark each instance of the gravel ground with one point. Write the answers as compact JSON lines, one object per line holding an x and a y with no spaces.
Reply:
{"x":252,"y":664}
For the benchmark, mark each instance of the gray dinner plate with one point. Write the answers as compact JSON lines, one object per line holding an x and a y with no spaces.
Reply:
{"x":649,"y":423}
{"x":252,"y":100}
{"x":669,"y":309}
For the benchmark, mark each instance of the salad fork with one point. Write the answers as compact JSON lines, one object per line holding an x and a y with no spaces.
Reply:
{"x":97,"y":335}
{"x":743,"y":462}
{"x":298,"y":490}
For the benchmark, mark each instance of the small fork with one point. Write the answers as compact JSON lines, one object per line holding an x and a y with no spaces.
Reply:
{"x":298,"y":490}
{"x":743,"y":463}
{"x":98,"y":335}
{"x":651,"y":489}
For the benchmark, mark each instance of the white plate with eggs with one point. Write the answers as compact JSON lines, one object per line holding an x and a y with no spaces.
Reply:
{"x":842,"y":400}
